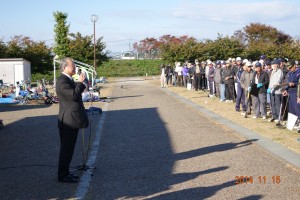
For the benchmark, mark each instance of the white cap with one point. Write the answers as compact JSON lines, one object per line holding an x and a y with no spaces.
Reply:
{"x":209,"y":62}
{"x":238,"y":59}
{"x":245,"y":61}
{"x":248,"y":63}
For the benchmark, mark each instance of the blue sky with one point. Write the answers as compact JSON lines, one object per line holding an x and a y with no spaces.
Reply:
{"x":122,"y":22}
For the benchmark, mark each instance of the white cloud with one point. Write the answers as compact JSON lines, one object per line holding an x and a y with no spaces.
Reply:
{"x":236,"y":12}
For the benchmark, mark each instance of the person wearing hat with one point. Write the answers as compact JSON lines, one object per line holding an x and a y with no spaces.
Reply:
{"x":275,"y":92}
{"x":246,"y":79}
{"x":217,"y":80}
{"x":291,"y":88}
{"x":228,"y":79}
{"x":258,"y":90}
{"x":207,"y":67}
{"x":268,"y":67}
{"x":210,"y":78}
{"x":263,"y":57}
{"x":162,"y":76}
{"x":203,"y":80}
{"x":185,"y":74}
{"x":178,"y":69}
{"x":169,"y":73}
{"x":197,"y":75}
{"x":233,"y":62}
{"x":240,"y":96}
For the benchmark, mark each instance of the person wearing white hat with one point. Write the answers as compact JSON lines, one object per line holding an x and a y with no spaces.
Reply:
{"x":178,"y":69}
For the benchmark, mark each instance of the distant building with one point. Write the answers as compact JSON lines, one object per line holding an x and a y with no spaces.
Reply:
{"x":128,"y":55}
{"x":13,"y":70}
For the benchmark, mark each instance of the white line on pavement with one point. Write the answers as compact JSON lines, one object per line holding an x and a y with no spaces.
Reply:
{"x":85,"y":179}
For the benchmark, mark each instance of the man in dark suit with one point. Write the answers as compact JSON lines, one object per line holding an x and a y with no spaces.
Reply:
{"x":71,"y":117}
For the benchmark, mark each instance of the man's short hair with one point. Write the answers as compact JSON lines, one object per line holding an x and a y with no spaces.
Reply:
{"x":64,"y":63}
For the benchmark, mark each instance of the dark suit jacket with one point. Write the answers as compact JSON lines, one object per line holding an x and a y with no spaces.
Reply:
{"x":71,"y":109}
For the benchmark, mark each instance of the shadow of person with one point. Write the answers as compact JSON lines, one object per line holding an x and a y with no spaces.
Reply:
{"x":212,"y":149}
{"x":183,"y":177}
{"x":195,"y":193}
{"x":252,"y":197}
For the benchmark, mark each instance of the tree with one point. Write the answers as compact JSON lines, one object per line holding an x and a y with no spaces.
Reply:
{"x":15,"y":48}
{"x":61,"y":30}
{"x":224,"y":47}
{"x":261,"y":39}
{"x":82,"y":49}
{"x":101,"y":56}
{"x":3,"y":49}
{"x":149,"y":47}
{"x":261,"y":32}
{"x":37,"y":53}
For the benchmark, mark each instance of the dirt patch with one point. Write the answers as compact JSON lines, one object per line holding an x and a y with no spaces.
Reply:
{"x":227,"y":110}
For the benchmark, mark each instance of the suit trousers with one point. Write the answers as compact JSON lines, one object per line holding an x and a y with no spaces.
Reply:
{"x":68,"y":137}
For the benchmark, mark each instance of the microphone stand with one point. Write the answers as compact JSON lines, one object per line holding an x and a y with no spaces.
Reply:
{"x":84,"y":166}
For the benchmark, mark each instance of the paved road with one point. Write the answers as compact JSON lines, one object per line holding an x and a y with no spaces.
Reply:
{"x":152,"y":147}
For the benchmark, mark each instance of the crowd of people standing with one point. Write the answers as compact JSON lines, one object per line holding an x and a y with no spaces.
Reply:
{"x":265,"y":88}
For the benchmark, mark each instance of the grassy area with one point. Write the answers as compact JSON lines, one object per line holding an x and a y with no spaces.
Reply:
{"x":129,"y":68}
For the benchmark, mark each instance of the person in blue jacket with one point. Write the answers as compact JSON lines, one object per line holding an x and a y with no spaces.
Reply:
{"x":291,"y":88}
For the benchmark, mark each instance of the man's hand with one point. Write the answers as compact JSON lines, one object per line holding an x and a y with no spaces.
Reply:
{"x":298,"y":100}
{"x":226,"y":78}
{"x":284,"y":93}
{"x":81,"y":77}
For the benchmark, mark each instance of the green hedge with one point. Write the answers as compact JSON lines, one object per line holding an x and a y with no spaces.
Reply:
{"x":47,"y":76}
{"x":129,"y":68}
{"x":116,"y":68}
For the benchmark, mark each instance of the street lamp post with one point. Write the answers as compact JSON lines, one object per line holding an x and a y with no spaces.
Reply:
{"x":94,"y":18}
